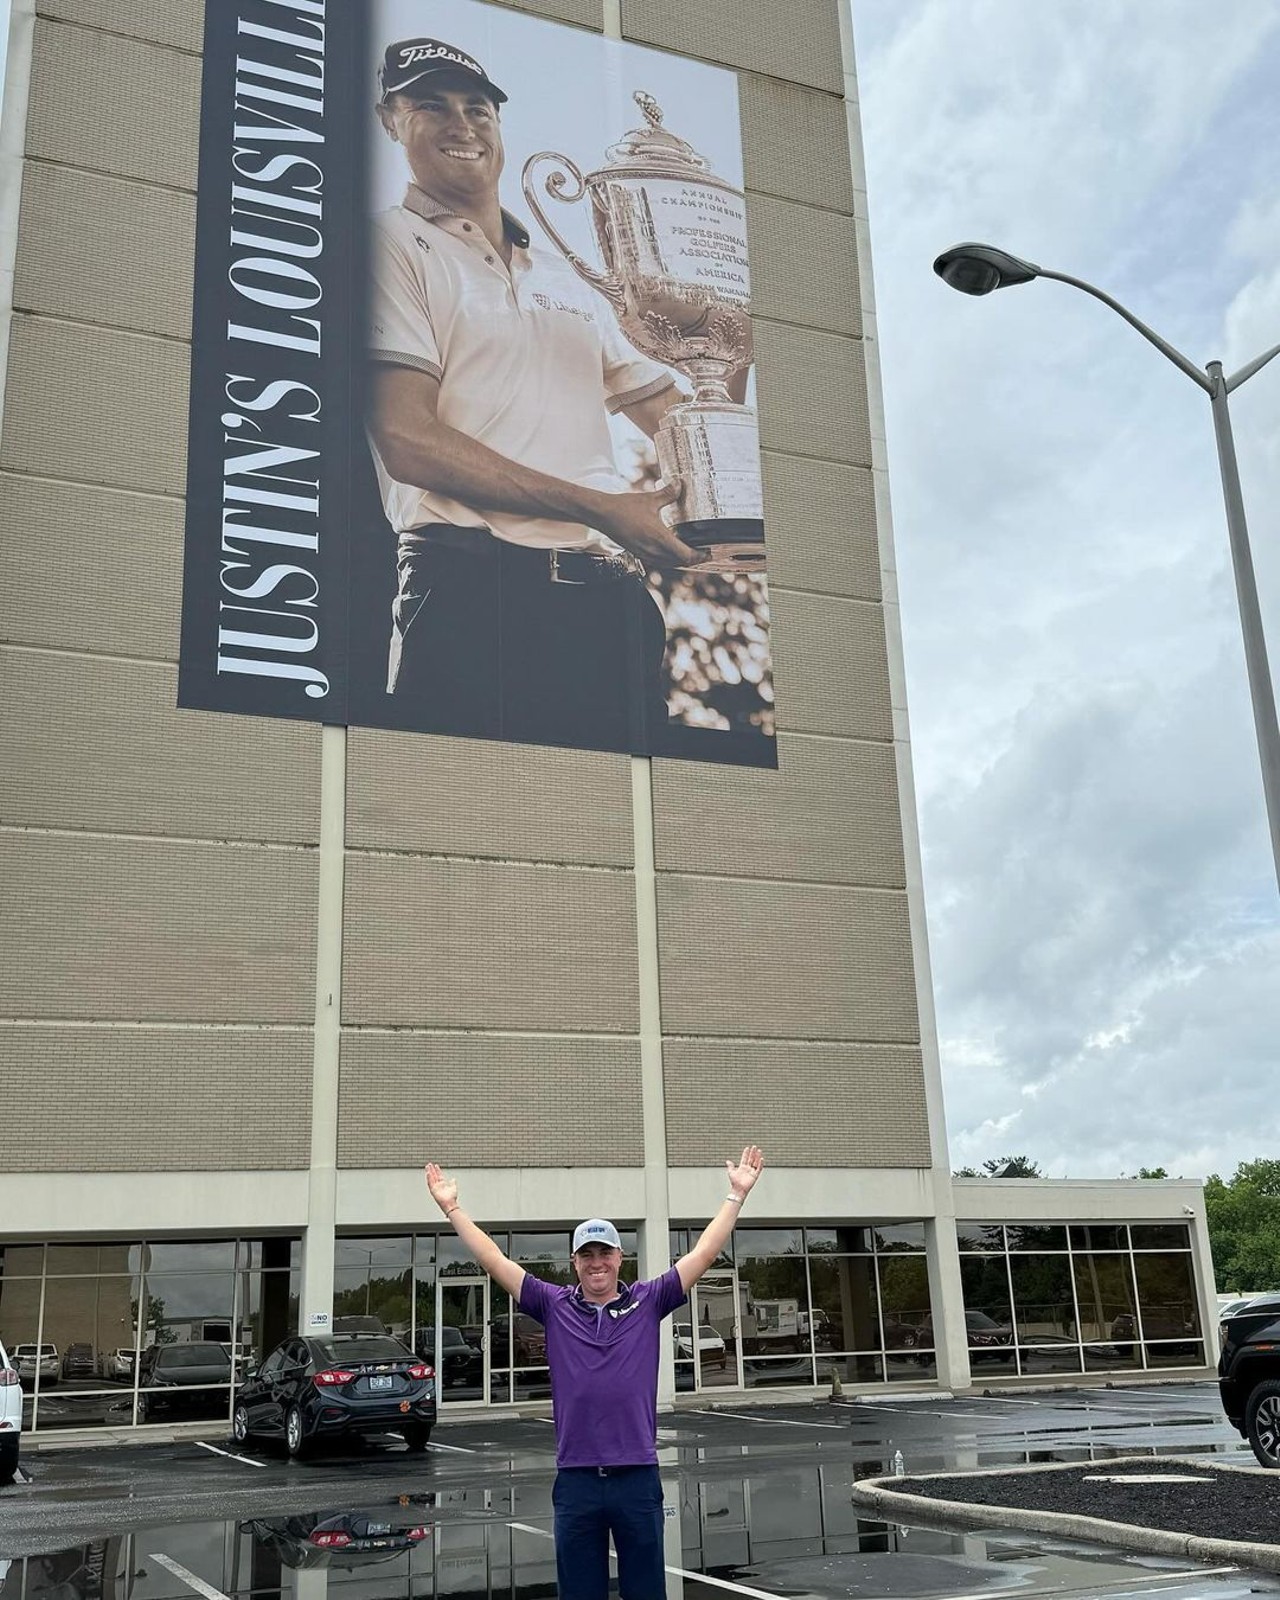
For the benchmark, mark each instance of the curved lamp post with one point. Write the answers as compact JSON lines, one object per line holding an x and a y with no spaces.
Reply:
{"x":980,"y":268}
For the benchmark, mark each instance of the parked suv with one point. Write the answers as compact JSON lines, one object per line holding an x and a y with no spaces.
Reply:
{"x":28,"y":1358}
{"x":1249,"y":1375}
{"x":10,"y":1417}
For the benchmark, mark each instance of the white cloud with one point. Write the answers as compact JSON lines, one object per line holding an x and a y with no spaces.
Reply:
{"x":1103,"y":908}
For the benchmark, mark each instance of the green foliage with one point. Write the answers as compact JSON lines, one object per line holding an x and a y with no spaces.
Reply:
{"x":1152,"y":1172}
{"x":1002,"y":1167}
{"x":1244,"y":1227}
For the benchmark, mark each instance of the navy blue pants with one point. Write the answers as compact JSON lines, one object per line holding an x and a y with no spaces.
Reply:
{"x":590,"y":1504}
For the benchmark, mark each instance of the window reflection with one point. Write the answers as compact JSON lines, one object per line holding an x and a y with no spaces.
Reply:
{"x":1044,"y":1309}
{"x":1167,"y":1296}
{"x":846,"y":1305}
{"x":980,"y":1235}
{"x":1104,"y":1290}
{"x":904,"y":1302}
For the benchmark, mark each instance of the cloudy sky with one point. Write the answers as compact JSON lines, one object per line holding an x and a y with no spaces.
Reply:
{"x":1103,"y":908}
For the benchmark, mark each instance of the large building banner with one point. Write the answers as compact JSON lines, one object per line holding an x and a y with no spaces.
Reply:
{"x":473,"y":444}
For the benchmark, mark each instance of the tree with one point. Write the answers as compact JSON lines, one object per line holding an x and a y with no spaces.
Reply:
{"x":1244,"y":1226}
{"x":1152,"y":1172}
{"x":1003,"y":1167}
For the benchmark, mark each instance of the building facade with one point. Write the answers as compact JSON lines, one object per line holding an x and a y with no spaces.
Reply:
{"x":256,"y":972}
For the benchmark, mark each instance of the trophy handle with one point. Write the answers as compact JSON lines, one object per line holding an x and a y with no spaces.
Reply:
{"x":609,"y":285}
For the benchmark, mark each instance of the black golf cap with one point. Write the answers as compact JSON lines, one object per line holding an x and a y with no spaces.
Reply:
{"x":410,"y":60}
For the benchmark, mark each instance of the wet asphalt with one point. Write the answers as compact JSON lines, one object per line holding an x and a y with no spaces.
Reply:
{"x":758,"y":1503}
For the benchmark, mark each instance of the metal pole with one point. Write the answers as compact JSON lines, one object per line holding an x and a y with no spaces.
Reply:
{"x":1261,"y":690}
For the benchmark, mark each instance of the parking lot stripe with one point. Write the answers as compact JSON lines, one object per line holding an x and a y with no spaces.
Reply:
{"x":230,"y":1455}
{"x":778,"y":1422}
{"x":189,"y":1578}
{"x":679,"y":1572}
{"x":460,"y":1448}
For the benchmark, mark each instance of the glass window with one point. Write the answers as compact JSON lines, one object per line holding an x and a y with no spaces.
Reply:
{"x":679,"y":1243}
{"x":93,"y":1258}
{"x":983,"y":1236}
{"x":857,"y":1367}
{"x":1119,"y":1357}
{"x":190,"y":1255}
{"x":774,"y":1372}
{"x":187,"y":1306}
{"x":909,"y":1366}
{"x":184,"y":1380}
{"x":1161,"y":1236}
{"x":1044,"y":1309}
{"x":21,"y":1260}
{"x":1167,"y":1296}
{"x":1182,"y":1353}
{"x":454,"y":1260}
{"x":531,"y":1248}
{"x":846,"y":1241}
{"x":278,"y":1253}
{"x":894,"y":1236}
{"x":268,"y":1312}
{"x":846,"y":1305}
{"x":1049,"y":1357}
{"x":387,"y":1254}
{"x":985,"y":1284}
{"x":774,"y":1296}
{"x":1099,"y":1236}
{"x":363,"y":1296}
{"x":1036,"y":1236}
{"x":109,"y":1408}
{"x":91,"y":1323}
{"x":762,"y":1243}
{"x":1104,"y":1291}
{"x":904,"y":1302}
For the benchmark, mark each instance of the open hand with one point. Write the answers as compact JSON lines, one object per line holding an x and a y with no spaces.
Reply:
{"x":742,"y":1178}
{"x":443,"y":1188}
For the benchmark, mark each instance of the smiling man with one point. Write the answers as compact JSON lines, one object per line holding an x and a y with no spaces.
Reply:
{"x":602,"y":1349}
{"x":522,"y":610}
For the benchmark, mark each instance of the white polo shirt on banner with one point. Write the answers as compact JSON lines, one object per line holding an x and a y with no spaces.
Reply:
{"x":529,"y":360}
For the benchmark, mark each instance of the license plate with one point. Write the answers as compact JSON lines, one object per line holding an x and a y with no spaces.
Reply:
{"x":379,"y":1383}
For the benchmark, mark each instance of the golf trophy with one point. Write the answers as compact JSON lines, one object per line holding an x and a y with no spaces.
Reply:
{"x":673,"y":238}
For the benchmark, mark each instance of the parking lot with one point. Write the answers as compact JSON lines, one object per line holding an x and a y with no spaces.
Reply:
{"x":758,"y":1504}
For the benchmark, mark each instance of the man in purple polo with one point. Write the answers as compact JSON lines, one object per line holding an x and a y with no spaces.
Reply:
{"x":602,"y":1348}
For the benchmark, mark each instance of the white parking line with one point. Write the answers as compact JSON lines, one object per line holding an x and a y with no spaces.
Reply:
{"x":777,"y":1422}
{"x":230,"y":1455}
{"x":679,"y":1572}
{"x":460,"y":1448}
{"x":189,"y":1578}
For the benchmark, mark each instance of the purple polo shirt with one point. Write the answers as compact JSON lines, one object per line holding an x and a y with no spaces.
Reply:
{"x":604,"y":1368}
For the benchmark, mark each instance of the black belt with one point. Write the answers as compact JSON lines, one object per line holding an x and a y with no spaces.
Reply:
{"x":578,"y":567}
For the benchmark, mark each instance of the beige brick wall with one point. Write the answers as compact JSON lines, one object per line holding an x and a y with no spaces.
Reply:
{"x":845,"y":1105}
{"x":455,"y":944}
{"x":179,"y":23}
{"x":489,"y":1101}
{"x":800,"y":42}
{"x":153,"y":1099}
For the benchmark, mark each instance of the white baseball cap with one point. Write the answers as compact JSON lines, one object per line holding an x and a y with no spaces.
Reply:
{"x":595,"y":1230}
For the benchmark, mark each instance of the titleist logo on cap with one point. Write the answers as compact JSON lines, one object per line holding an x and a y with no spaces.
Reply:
{"x":412,"y":54}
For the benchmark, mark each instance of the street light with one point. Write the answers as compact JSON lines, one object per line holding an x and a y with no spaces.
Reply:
{"x":979,"y":269}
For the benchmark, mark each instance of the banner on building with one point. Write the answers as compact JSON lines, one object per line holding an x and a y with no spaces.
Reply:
{"x":473,"y":444}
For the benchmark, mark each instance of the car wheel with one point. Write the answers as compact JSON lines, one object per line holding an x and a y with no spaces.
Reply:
{"x":240,"y":1431}
{"x":1262,"y":1422}
{"x":416,"y":1436}
{"x":295,"y":1439}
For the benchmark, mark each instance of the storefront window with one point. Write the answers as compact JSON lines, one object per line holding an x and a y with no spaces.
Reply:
{"x":1160,"y":1236}
{"x":984,"y":1236}
{"x":1166,"y":1296}
{"x":1105,"y":1293}
{"x":1043,"y":1304}
{"x":1099,"y":1236}
{"x":904,"y":1303}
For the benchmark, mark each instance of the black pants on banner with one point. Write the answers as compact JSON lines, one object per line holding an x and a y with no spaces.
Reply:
{"x":590,"y":1504}
{"x":487,"y":643}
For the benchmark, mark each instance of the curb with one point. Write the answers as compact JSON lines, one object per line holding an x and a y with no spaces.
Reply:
{"x":875,"y":1492}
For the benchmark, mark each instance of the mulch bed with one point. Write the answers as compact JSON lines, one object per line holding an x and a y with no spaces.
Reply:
{"x":1226,"y":1505}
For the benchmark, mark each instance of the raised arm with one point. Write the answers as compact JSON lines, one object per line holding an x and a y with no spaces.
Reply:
{"x":504,"y":1272}
{"x":742,"y":1179}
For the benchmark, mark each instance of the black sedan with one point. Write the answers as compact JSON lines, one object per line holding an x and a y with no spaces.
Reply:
{"x":308,"y":1390}
{"x":183,"y":1380}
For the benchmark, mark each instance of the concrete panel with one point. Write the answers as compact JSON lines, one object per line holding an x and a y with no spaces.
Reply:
{"x":96,"y":406}
{"x":820,"y":521}
{"x":804,"y":265}
{"x":101,"y":745}
{"x":473,"y":945}
{"x":195,"y":1084}
{"x":179,"y":23}
{"x":785,"y":961}
{"x":795,"y":143}
{"x":801,"y":42}
{"x":830,"y":666}
{"x":551,"y":1091}
{"x":114,"y":105}
{"x":822,"y":1105}
{"x":122,"y":592}
{"x":829,"y":814}
{"x":813,"y":394}
{"x":153,"y":931}
{"x":102,"y":250}
{"x":476,"y":797}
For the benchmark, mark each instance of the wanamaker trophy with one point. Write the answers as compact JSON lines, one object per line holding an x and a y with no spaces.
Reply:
{"x":674,"y":241}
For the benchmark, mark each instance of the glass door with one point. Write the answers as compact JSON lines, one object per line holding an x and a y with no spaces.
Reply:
{"x":712,"y":1335}
{"x":462,"y":1340}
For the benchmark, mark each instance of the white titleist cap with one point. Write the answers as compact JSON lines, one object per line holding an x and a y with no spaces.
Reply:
{"x":595,"y":1230}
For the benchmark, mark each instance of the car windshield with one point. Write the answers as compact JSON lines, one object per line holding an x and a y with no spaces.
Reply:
{"x":194,"y":1355}
{"x":360,"y":1347}
{"x":979,"y":1319}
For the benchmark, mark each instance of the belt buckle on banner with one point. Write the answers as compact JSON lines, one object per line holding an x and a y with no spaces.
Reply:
{"x":558,"y":577}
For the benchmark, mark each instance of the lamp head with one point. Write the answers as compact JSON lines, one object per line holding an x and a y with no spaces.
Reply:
{"x":980,"y":268}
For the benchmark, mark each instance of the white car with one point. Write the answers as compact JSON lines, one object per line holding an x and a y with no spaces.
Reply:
{"x":27,"y":1357}
{"x":711,"y":1351}
{"x":10,"y":1417}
